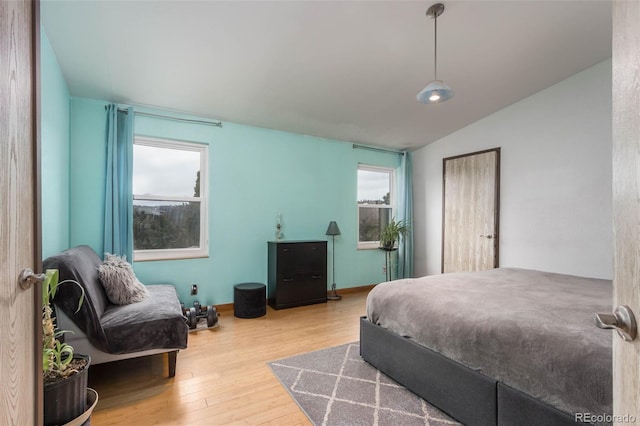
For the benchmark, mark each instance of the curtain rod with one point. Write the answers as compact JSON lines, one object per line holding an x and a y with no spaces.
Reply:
{"x":371,"y":148}
{"x":168,"y":117}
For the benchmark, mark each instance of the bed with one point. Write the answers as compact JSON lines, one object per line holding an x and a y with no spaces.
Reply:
{"x":500,"y":347}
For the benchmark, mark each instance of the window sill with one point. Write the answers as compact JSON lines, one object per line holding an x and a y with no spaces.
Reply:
{"x":371,"y":245}
{"x":178,"y":254}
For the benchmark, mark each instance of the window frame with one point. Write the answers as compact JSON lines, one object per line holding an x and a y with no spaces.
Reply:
{"x":371,"y":245}
{"x":179,"y":253}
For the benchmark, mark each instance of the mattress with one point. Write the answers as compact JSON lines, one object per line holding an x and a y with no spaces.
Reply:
{"x":531,"y":330}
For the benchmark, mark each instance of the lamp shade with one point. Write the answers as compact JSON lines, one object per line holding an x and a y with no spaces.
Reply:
{"x":333,"y":228}
{"x":436,"y":91}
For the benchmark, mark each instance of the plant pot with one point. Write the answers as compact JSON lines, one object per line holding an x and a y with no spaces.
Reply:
{"x":66,"y":399}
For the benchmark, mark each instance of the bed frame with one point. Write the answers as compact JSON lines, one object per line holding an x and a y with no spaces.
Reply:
{"x":466,"y":395}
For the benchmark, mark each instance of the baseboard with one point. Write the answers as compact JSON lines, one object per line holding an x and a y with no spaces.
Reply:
{"x":228,"y":307}
{"x":353,"y":289}
{"x":224,"y":307}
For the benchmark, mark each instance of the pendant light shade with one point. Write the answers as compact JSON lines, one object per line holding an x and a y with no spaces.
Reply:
{"x":436,"y":91}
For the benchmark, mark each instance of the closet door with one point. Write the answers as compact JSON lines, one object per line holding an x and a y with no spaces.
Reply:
{"x":470,"y":211}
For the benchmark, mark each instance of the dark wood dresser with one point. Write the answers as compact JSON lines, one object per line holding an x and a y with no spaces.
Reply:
{"x":297,"y":273}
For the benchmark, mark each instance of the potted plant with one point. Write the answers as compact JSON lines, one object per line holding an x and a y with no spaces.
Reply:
{"x":392,"y":233}
{"x":65,"y":373}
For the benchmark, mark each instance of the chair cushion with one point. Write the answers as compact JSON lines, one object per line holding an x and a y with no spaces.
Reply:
{"x":120,"y":282}
{"x":154,"y":323}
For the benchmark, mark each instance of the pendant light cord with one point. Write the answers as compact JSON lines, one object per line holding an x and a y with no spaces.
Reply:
{"x":435,"y":46}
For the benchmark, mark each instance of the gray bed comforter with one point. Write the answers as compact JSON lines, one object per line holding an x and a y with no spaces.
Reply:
{"x":531,"y":330}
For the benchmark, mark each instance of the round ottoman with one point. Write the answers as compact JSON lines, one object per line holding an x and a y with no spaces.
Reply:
{"x":249,"y":300}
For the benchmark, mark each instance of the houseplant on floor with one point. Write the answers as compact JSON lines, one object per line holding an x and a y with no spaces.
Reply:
{"x":65,"y":373}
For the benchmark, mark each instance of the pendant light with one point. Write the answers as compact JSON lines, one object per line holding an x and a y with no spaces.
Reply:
{"x":436,"y":91}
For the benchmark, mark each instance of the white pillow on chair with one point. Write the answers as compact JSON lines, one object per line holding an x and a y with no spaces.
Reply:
{"x":119,"y":281}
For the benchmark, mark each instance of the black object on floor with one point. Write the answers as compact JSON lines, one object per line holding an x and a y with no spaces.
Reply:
{"x":249,"y":300}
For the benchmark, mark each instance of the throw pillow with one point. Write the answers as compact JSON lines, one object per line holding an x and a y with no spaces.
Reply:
{"x":119,"y":281}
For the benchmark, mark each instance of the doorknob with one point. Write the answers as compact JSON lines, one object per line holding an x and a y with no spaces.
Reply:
{"x":27,"y":278}
{"x":622,"y":320}
{"x":489,"y":236}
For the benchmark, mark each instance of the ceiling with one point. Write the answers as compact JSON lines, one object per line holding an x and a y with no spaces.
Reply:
{"x":347,"y":70}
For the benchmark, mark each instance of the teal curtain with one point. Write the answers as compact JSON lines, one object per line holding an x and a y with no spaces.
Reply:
{"x":118,"y":206}
{"x":405,"y":211}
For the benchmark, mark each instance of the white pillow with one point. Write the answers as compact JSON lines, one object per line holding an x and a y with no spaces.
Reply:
{"x":119,"y":281}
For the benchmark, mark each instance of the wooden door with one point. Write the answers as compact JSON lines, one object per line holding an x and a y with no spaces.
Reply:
{"x":626,"y":196}
{"x":470,"y":211}
{"x":20,"y":377}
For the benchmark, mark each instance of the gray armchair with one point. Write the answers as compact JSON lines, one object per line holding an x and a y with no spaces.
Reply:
{"x":109,"y":332}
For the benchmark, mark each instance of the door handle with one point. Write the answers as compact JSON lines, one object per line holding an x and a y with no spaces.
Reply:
{"x":622,"y":320}
{"x":27,"y":278}
{"x":489,"y":236}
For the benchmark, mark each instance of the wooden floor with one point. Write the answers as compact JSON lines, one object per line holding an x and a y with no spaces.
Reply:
{"x":222,"y":377}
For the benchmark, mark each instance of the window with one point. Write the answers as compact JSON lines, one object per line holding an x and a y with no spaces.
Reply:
{"x":375,"y":203}
{"x":169,"y":199}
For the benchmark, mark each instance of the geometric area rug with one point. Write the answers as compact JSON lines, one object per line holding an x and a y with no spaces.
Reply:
{"x":335,"y":386}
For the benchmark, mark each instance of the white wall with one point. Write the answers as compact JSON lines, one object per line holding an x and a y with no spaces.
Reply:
{"x":555,"y":189}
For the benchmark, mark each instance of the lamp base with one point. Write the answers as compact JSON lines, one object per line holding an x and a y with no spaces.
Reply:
{"x":334,"y":295}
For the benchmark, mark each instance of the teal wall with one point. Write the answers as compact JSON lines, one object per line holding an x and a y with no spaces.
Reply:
{"x":55,"y":152}
{"x":254,"y":175}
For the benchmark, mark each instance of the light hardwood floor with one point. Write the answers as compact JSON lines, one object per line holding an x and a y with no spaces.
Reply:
{"x":222,"y":377}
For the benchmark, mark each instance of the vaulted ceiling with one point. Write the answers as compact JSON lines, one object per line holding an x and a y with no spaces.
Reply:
{"x":348,"y":70}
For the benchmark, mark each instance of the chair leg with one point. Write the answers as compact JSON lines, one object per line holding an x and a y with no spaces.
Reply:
{"x":173,"y":359}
